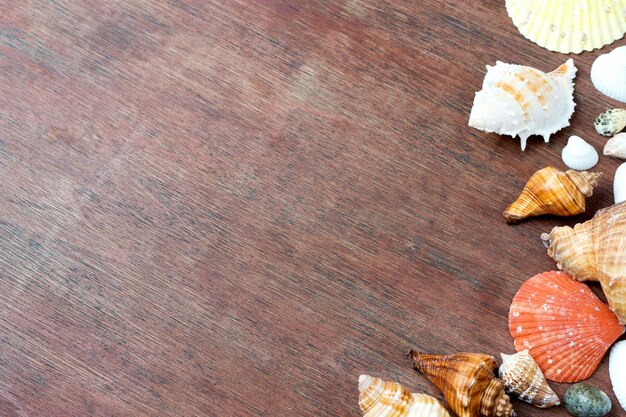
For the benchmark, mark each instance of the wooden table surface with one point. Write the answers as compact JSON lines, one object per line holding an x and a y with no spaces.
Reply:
{"x":234,"y":208}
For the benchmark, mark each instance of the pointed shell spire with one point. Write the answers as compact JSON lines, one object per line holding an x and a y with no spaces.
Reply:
{"x":467,"y":382}
{"x":550,"y":191}
{"x":578,"y":154}
{"x":521,"y":376}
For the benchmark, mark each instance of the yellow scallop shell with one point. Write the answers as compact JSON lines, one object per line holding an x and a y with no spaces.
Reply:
{"x":569,"y":25}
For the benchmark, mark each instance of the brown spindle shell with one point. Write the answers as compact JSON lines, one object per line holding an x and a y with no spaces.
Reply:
{"x":550,"y":191}
{"x":467,"y":382}
{"x":595,"y":251}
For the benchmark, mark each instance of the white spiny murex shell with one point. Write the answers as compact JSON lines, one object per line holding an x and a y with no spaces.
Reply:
{"x":569,"y":25}
{"x":522,"y":377}
{"x":616,"y":146}
{"x":516,"y":100}
{"x":378,"y":398}
{"x":578,"y":154}
{"x":619,"y":186}
{"x":617,"y":371}
{"x":608,"y":74}
{"x":610,"y":122}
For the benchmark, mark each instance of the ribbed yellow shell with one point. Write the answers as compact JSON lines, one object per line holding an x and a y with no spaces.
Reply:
{"x":378,"y":398}
{"x":467,"y":382}
{"x":550,"y":191}
{"x":569,"y":25}
{"x":595,"y":251}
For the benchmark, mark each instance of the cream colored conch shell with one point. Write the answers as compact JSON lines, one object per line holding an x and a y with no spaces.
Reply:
{"x":608,"y":74}
{"x":578,"y":154}
{"x":516,"y":100}
{"x":467,"y":383}
{"x":619,"y":185}
{"x":610,"y":122}
{"x":617,"y":371}
{"x":616,"y":146}
{"x":595,"y":251}
{"x":569,"y":25}
{"x":378,"y":398}
{"x":521,"y":376}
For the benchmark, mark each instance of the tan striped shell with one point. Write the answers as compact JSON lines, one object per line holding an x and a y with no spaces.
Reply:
{"x":467,"y":381}
{"x":378,"y":398}
{"x":595,"y":251}
{"x":550,"y":191}
{"x":523,"y":378}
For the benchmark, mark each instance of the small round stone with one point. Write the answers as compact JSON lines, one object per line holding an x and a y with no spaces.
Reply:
{"x":584,"y":400}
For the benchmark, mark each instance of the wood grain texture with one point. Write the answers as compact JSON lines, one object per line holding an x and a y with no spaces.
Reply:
{"x":234,"y":208}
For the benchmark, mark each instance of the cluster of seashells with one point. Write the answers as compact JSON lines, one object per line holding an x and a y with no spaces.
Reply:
{"x":561,"y":330}
{"x":554,"y":317}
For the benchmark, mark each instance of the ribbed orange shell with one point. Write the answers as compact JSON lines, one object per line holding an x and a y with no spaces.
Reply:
{"x":564,"y":326}
{"x":378,"y":398}
{"x":550,"y":191}
{"x":595,"y":251}
{"x":467,"y":382}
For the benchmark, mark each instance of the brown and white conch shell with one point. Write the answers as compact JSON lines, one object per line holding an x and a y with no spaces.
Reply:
{"x":550,"y":191}
{"x":467,"y":382}
{"x":595,"y":251}
{"x":517,"y":100}
{"x":378,"y":398}
{"x":522,"y":377}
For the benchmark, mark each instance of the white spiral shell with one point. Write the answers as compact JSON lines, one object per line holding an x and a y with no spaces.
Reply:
{"x":579,"y":155}
{"x":517,"y":100}
{"x":617,"y":371}
{"x":608,"y":74}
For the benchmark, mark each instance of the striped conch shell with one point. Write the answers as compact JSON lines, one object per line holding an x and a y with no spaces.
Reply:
{"x":550,"y":191}
{"x":378,"y":398}
{"x":521,"y":376}
{"x":467,"y":381}
{"x":516,"y":100}
{"x":595,"y":251}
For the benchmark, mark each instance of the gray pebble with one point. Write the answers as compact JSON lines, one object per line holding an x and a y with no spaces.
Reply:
{"x":584,"y":400}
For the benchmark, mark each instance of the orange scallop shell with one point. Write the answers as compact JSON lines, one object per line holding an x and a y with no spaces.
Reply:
{"x":565,"y":327}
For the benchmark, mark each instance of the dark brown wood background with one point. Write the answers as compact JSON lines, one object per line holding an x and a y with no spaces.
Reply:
{"x":234,"y":208}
